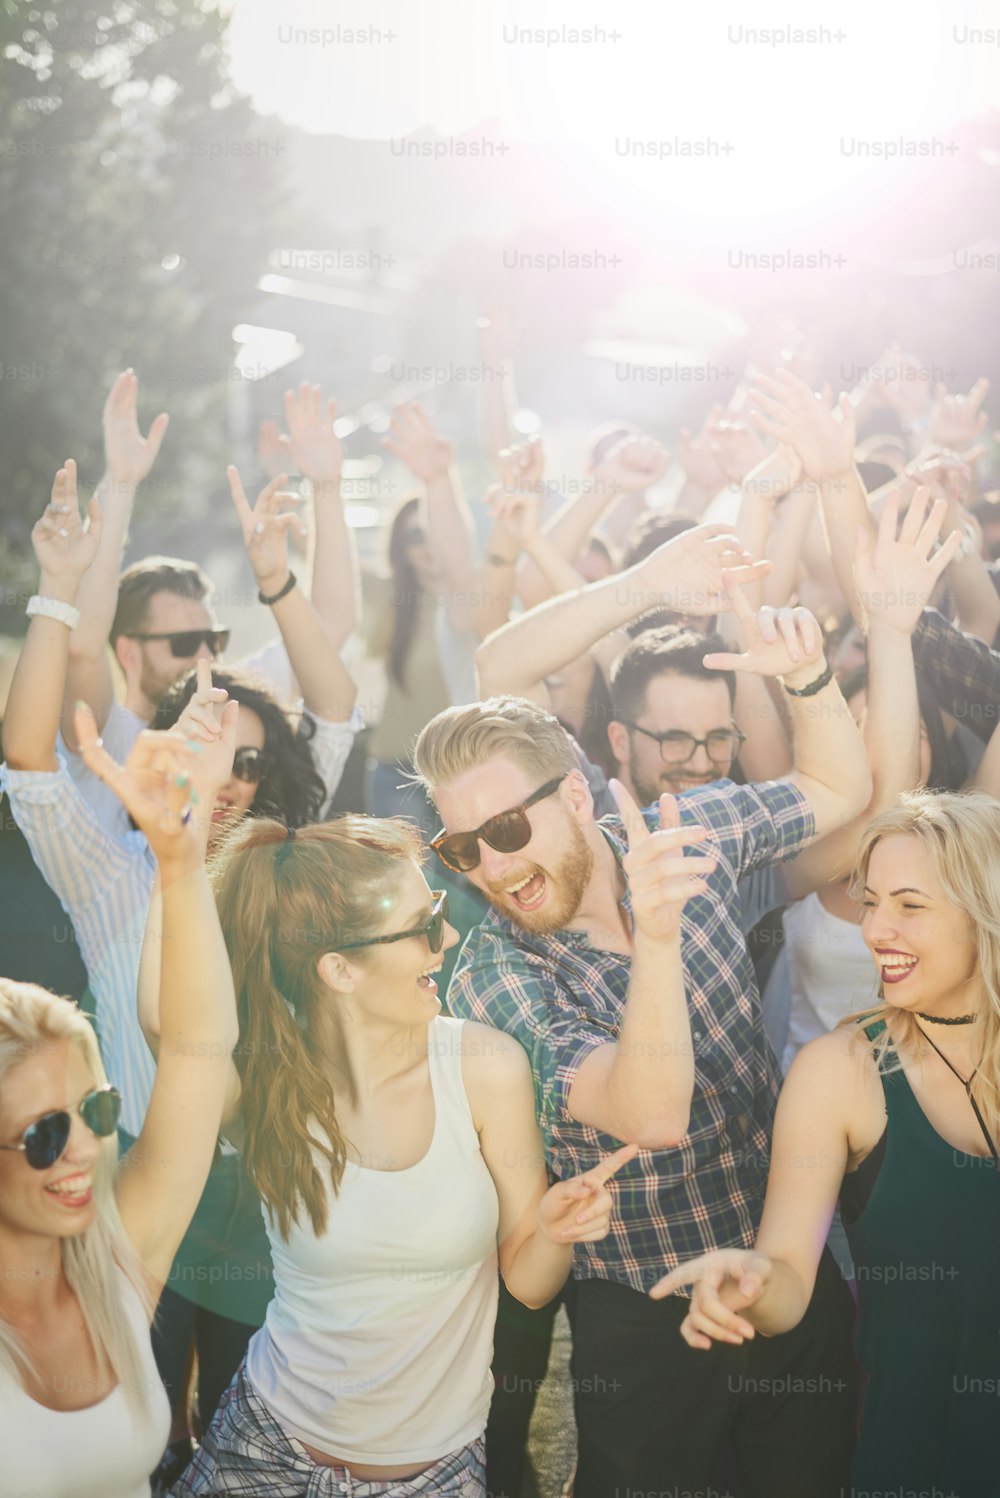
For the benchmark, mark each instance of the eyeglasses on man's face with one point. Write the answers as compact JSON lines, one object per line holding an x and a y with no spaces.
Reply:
{"x":433,"y":929}
{"x":721,"y":745}
{"x":507,"y":832}
{"x":185,"y":643}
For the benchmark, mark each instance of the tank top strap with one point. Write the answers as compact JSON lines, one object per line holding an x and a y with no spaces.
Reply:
{"x":444,"y":1054}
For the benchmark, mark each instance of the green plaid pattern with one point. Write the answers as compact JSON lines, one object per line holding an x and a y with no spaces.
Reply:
{"x":961,"y":670}
{"x":563,"y":998}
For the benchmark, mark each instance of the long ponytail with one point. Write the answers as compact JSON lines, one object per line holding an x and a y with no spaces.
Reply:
{"x":283,"y":903}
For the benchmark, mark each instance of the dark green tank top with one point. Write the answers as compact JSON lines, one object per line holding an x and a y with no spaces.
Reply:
{"x":926,"y":1250}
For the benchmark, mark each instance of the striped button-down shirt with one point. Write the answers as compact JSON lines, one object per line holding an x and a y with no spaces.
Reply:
{"x":563,"y":998}
{"x":104,"y":880}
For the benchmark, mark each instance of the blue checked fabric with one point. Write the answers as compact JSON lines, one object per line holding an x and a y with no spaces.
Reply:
{"x":962,"y":670}
{"x":245,"y":1451}
{"x":563,"y":998}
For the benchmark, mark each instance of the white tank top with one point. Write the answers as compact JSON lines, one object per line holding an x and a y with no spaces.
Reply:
{"x":378,"y":1342}
{"x":830,"y":968}
{"x":102,"y":1451}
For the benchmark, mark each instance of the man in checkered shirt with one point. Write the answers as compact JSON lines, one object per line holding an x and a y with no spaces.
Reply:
{"x":640,"y":1036}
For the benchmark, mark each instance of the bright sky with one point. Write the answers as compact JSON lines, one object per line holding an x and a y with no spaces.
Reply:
{"x":879,"y":71}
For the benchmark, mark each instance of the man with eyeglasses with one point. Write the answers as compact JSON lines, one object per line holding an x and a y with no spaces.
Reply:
{"x":559,"y":964}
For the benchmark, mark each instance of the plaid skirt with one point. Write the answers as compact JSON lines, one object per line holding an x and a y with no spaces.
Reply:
{"x":246,"y":1451}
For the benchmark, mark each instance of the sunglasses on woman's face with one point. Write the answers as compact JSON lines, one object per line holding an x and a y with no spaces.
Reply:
{"x":507,"y":832}
{"x":185,"y":643}
{"x":251,"y":764}
{"x":45,"y":1140}
{"x":433,"y":929}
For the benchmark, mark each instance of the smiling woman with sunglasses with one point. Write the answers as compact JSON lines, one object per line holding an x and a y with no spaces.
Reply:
{"x":86,"y":1242}
{"x":398,"y":1159}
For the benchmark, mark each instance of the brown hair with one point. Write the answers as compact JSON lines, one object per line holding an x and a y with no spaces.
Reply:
{"x":139,"y":582}
{"x":283,"y":903}
{"x":461,"y":738}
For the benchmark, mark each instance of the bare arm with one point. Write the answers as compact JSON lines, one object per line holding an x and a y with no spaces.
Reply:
{"x":64,"y":549}
{"x":327,"y":687}
{"x":128,"y":459}
{"x":640,"y":1088}
{"x":318,"y":454}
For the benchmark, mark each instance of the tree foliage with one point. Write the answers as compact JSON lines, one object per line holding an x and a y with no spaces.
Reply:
{"x":141,"y":197}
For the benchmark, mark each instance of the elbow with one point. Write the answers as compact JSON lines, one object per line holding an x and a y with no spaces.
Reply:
{"x":660,"y":1134}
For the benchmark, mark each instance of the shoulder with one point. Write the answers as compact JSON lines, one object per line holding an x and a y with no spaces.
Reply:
{"x":495,"y":1069}
{"x":835,"y":1070}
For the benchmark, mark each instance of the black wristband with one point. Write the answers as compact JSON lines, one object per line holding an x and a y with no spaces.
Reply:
{"x":282,"y":592}
{"x":813,"y":687}
{"x":496,"y":560}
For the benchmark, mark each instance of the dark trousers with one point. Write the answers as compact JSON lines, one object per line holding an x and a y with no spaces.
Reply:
{"x":657,"y":1417}
{"x":521,"y":1344}
{"x":219,"y":1342}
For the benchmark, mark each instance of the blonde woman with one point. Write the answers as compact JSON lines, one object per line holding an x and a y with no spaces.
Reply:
{"x":86,"y":1243}
{"x":897,"y":1113}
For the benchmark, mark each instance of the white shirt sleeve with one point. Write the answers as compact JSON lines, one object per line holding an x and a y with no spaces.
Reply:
{"x":330,"y":745}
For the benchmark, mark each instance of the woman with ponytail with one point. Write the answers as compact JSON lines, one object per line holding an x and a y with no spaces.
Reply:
{"x":897,"y":1114}
{"x":87,"y":1241}
{"x":397,"y":1156}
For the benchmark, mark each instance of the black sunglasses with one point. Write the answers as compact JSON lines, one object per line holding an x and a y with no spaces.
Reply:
{"x":46,"y":1139}
{"x":433,"y":929}
{"x":185,"y":643}
{"x":251,"y":764}
{"x":676,"y":748}
{"x":507,"y":832}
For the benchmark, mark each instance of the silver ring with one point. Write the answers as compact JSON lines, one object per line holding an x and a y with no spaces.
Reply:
{"x":186,"y":815}
{"x":63,"y":531}
{"x":258,"y":529}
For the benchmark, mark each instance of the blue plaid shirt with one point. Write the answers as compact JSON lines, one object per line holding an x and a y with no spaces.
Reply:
{"x":563,"y":998}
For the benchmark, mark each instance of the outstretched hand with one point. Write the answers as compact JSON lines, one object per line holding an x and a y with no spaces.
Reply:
{"x":895,"y":577}
{"x":415,"y":440}
{"x":315,"y":447}
{"x":63,"y":546}
{"x":265,"y":528}
{"x":740,"y":1274}
{"x":687,"y":573}
{"x":822,"y":434}
{"x":784,"y":642}
{"x":128,"y":454}
{"x":956,"y":420}
{"x":661,"y":878}
{"x":578,"y":1210}
{"x":633,"y":465}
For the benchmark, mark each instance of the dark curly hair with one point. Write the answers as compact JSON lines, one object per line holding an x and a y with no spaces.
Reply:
{"x":291,"y":789}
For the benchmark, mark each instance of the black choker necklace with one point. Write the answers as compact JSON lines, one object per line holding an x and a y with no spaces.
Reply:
{"x":940,"y":1019}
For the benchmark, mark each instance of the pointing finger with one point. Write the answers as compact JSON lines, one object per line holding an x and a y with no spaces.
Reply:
{"x":611,"y":1164}
{"x":636,"y":831}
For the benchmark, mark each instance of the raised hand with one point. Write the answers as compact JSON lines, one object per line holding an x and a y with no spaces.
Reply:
{"x":417,"y":443}
{"x":948,"y":475}
{"x":316,"y":449}
{"x":161,"y":784}
{"x":956,"y":420}
{"x":775,"y":474}
{"x":687,"y":574}
{"x":128,"y":454}
{"x":698,"y":457}
{"x":274,"y":450}
{"x":522,"y":467}
{"x":661,"y":879}
{"x":62,"y":544}
{"x":905,"y":384}
{"x":265,"y":528}
{"x":741,"y":1274}
{"x":518,"y":512}
{"x":737,"y":448}
{"x":822,"y":435}
{"x":201,"y":720}
{"x":780,"y":642}
{"x":895,"y":578}
{"x":578,"y":1210}
{"x":633,"y":465}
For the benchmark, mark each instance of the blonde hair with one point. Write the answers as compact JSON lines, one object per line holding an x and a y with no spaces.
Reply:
{"x":462,"y":738}
{"x":32,"y":1019}
{"x":283,"y":903}
{"x":960,"y":833}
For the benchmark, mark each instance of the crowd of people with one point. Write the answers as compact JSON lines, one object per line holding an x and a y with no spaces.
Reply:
{"x":650,"y":969}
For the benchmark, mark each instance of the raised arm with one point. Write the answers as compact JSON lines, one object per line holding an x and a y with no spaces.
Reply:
{"x":64,"y":548}
{"x":319,"y":456}
{"x":327,"y":687}
{"x":640,"y":1087}
{"x":685,"y":574}
{"x":128,"y":458}
{"x":163,"y":1175}
{"x":830,"y":764}
{"x":891,"y":578}
{"x":430,"y":458}
{"x":703,"y":475}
